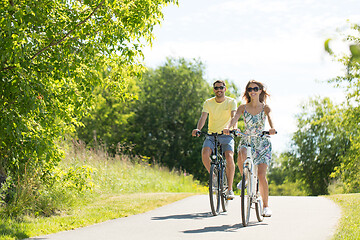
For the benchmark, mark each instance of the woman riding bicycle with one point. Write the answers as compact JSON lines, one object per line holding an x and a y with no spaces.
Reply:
{"x":255,"y":112}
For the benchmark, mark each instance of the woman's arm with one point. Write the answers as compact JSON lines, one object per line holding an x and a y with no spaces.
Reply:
{"x":234,"y":120}
{"x":272,"y":130}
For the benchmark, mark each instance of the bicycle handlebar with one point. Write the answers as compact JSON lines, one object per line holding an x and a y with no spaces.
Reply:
{"x":263,"y":133}
{"x":198,"y":133}
{"x":235,"y":133}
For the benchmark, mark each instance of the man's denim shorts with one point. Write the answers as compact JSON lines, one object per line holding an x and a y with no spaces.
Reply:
{"x":226,"y":141}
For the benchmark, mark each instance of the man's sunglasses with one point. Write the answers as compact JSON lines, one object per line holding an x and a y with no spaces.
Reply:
{"x":217,"y":88}
{"x":255,"y":89}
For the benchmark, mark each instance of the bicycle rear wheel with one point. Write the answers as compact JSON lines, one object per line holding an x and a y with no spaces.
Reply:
{"x":245,"y":197}
{"x":224,"y":189}
{"x":214,"y":190}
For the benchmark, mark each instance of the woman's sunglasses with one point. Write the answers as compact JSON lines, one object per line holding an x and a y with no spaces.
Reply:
{"x":255,"y":89}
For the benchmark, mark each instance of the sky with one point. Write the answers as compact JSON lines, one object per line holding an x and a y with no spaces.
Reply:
{"x":277,"y":42}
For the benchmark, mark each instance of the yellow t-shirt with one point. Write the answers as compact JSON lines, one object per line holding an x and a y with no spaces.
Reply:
{"x":219,"y":113}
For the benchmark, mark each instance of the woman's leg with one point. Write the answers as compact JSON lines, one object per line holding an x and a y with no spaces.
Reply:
{"x":241,"y":159}
{"x":263,"y":184}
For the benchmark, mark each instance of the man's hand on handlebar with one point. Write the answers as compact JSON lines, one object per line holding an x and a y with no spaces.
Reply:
{"x":226,"y":131}
{"x":195,"y":133}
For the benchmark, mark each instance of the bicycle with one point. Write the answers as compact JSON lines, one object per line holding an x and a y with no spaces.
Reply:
{"x":250,"y":193}
{"x":218,"y":183}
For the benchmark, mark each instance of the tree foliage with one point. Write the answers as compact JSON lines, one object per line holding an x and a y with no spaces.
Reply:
{"x":157,"y":123}
{"x":318,"y":145}
{"x":327,"y":142}
{"x":53,"y":56}
{"x":169,"y":105}
{"x":349,"y":170}
{"x":108,"y":123}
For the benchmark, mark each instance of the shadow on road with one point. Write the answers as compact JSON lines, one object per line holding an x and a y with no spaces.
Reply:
{"x":223,"y":228}
{"x":185,"y":216}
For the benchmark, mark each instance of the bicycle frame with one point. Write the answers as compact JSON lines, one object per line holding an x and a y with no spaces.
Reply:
{"x":252,"y":168}
{"x":252,"y":196}
{"x":218,"y":165}
{"x":218,"y":159}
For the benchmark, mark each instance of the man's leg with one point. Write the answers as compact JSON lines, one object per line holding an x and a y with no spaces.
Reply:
{"x":230,"y":168}
{"x":227,"y":142}
{"x":205,"y":155}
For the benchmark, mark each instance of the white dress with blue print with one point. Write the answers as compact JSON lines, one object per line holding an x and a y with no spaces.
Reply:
{"x":261,"y":146}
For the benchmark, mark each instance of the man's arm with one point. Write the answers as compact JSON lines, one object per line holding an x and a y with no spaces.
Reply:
{"x":200,"y":123}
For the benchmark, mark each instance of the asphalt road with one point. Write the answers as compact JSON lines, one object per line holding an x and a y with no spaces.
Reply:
{"x":293,"y":218}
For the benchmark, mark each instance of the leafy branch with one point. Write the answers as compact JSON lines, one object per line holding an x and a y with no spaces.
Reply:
{"x":57,"y":42}
{"x":54,"y":42}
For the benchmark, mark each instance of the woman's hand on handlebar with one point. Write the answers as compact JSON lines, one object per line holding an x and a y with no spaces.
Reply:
{"x":272,"y":131}
{"x":227,"y":131}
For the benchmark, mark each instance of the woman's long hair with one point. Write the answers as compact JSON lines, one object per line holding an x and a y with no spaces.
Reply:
{"x":263,"y":94}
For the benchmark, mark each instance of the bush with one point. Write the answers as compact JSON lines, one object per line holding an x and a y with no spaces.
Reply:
{"x":287,"y":189}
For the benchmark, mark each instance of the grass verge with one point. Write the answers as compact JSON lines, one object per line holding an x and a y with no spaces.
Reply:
{"x":349,"y":225}
{"x":110,"y":187}
{"x":106,"y":207}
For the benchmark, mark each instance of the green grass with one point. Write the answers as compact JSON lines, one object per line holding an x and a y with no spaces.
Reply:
{"x":349,"y":224}
{"x":104,"y":208}
{"x":116,"y":187}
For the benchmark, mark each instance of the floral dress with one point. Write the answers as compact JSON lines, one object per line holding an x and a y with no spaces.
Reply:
{"x":260,"y":146}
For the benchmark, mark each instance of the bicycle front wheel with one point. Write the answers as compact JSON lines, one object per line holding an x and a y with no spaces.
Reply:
{"x":214,"y":190}
{"x":245,"y":197}
{"x":259,"y":207}
{"x":224,"y":189}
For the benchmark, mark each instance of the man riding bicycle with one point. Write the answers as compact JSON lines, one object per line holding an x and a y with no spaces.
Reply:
{"x":221,"y":110}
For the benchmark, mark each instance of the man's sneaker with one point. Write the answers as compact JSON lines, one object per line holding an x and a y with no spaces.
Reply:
{"x":267,"y":212}
{"x":230,"y":195}
{"x":239,"y":184}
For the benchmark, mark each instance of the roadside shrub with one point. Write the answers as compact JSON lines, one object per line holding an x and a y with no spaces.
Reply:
{"x":287,"y":188}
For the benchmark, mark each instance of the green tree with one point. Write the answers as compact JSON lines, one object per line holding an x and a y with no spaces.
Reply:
{"x":108,"y":122}
{"x":349,"y":170}
{"x":158,"y":124}
{"x":317,"y":145}
{"x":169,"y":105}
{"x":52,"y":56}
{"x":280,"y":177}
